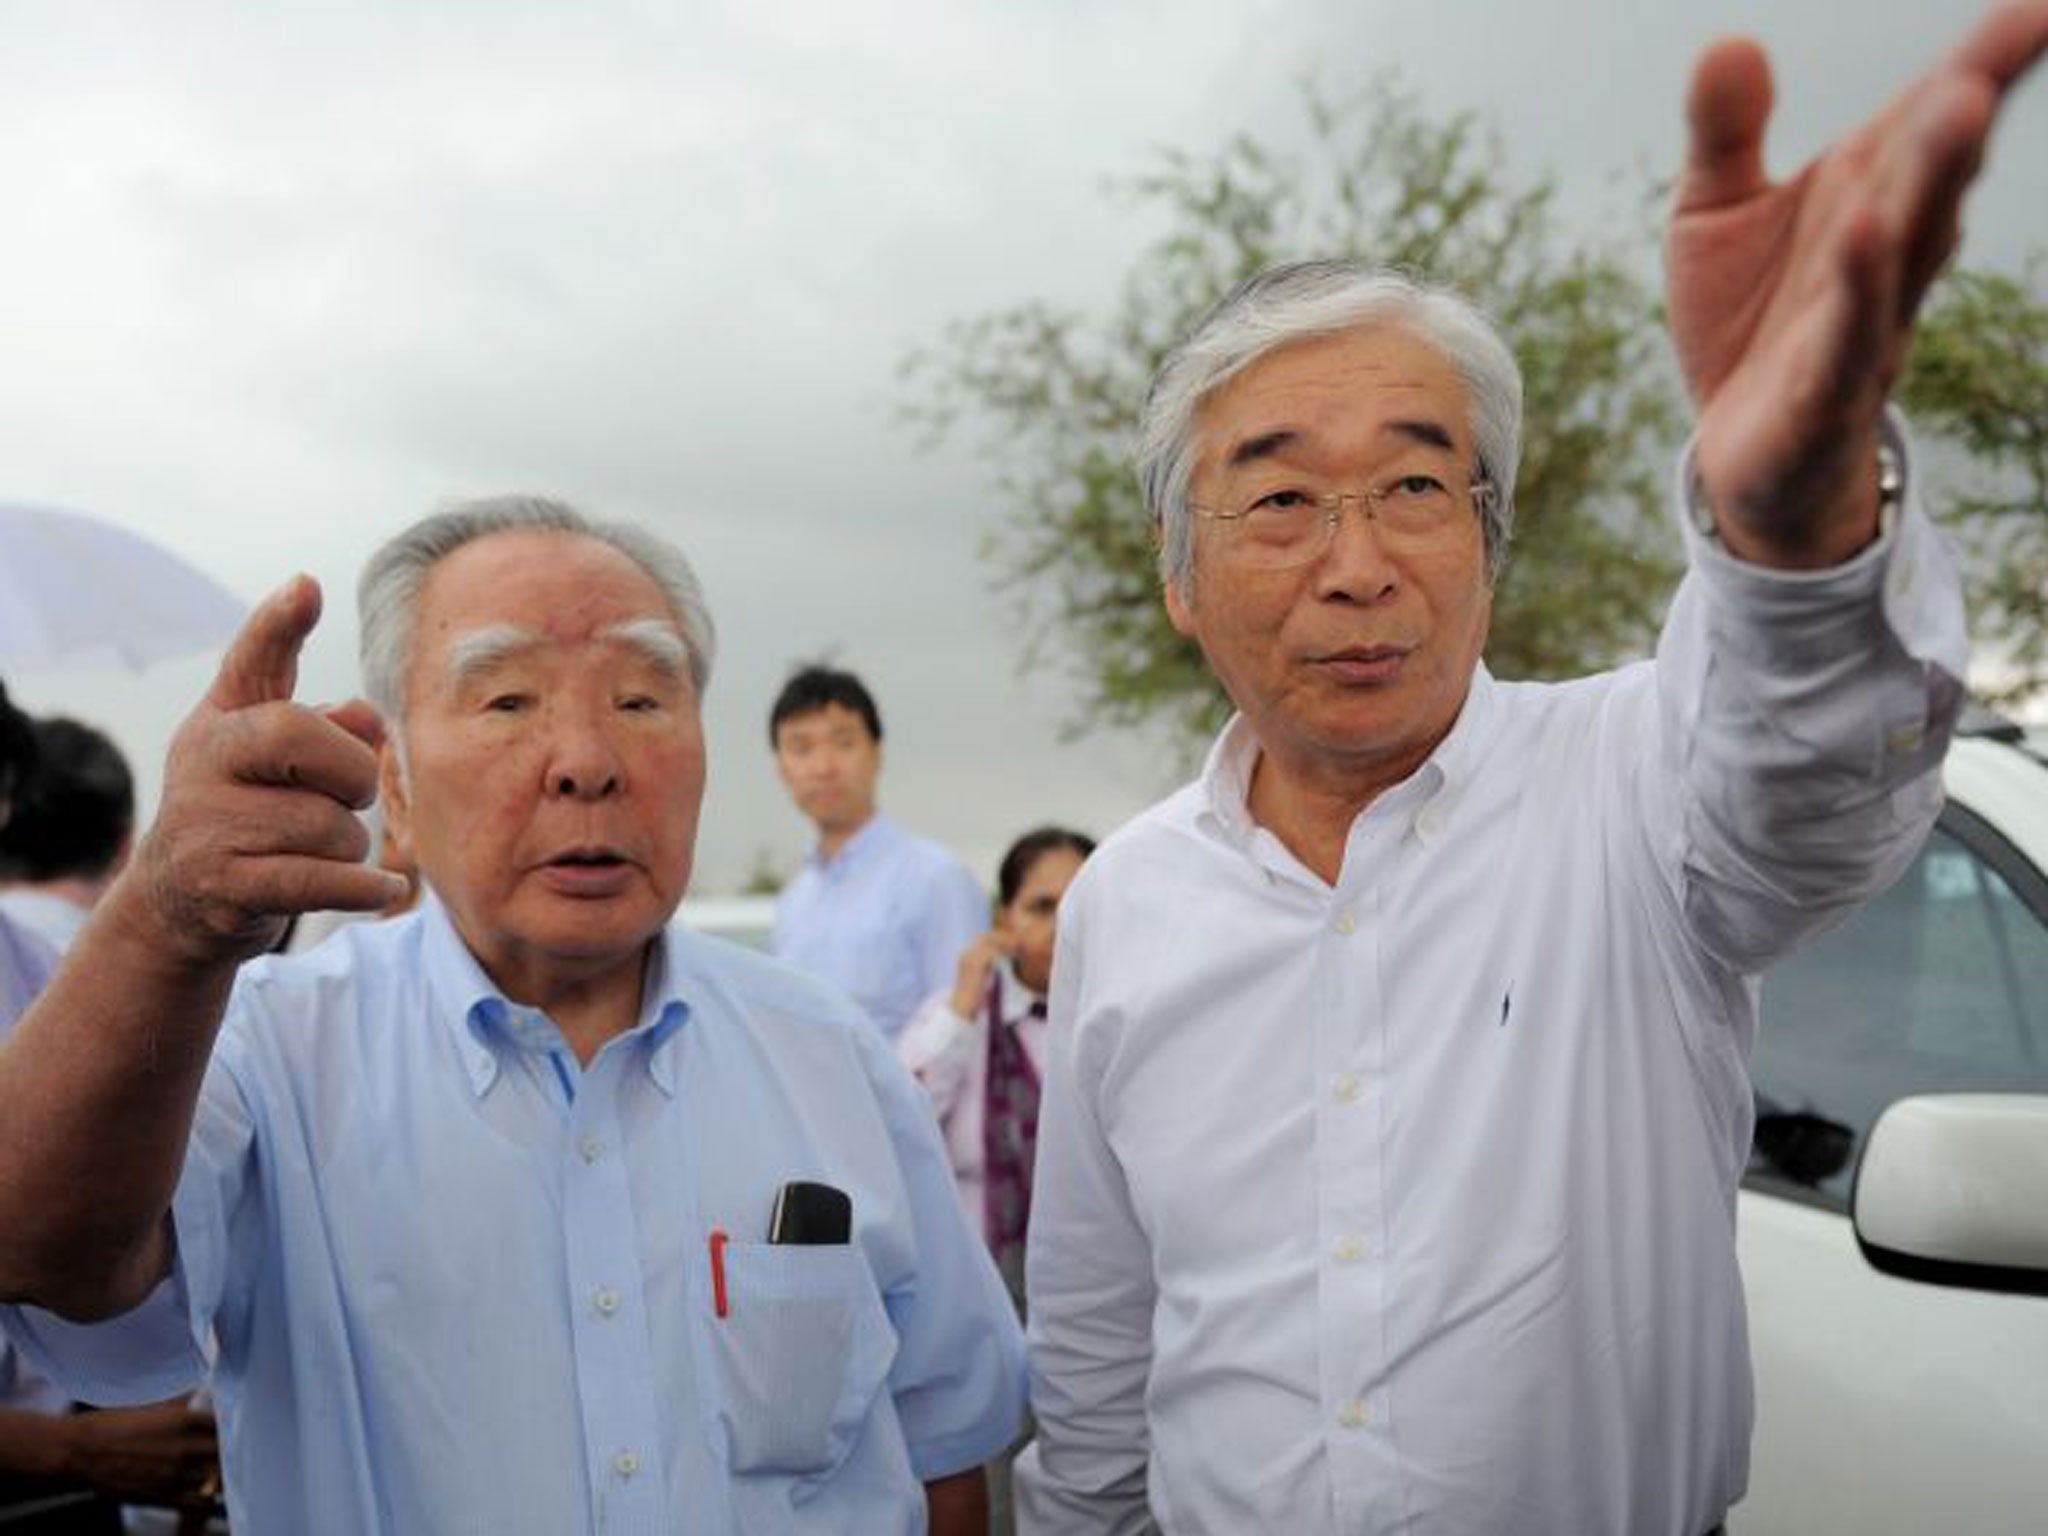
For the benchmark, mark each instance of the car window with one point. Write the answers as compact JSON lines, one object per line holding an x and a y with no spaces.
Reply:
{"x":1939,"y":985}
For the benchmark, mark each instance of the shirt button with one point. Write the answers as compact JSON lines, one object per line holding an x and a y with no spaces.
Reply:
{"x":1344,"y":923}
{"x":1347,"y":1088}
{"x":1350,"y":1251}
{"x":1354,"y":1414}
{"x":606,"y":1300}
{"x":625,"y":1463}
{"x":592,"y":1148}
{"x":1430,"y":822}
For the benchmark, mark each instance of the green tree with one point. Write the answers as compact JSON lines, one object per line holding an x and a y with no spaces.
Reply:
{"x":1977,"y":383}
{"x":1052,"y":397}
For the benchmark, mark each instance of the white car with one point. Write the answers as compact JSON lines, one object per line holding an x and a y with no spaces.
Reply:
{"x":1893,"y":1223}
{"x":748,"y":920}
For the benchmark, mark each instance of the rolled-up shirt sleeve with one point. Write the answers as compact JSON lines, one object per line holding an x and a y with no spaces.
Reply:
{"x":1806,"y":714}
{"x":159,"y":1348}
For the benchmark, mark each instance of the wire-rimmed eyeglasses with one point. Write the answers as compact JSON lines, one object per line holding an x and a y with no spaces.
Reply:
{"x":1279,"y":529}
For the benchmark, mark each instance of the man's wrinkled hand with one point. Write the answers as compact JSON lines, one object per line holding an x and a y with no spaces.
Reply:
{"x":1792,"y":303}
{"x":257,"y":821}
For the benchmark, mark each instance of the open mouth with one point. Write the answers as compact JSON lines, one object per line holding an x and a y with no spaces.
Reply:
{"x":586,"y":858}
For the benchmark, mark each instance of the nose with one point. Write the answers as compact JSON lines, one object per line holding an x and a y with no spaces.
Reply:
{"x":1354,"y":567}
{"x":582,"y":763}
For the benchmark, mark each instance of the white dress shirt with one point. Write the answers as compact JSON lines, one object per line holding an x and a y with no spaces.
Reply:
{"x":949,"y":1055}
{"x":1407,"y":1204}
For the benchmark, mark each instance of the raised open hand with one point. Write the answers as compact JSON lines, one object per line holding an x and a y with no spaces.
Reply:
{"x":256,"y":820}
{"x":1792,"y":303}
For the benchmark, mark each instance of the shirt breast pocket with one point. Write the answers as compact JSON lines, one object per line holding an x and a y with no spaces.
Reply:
{"x":800,"y":1356}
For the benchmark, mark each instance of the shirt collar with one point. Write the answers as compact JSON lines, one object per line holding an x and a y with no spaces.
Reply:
{"x":483,"y":1022}
{"x":1226,"y":781}
{"x":1013,"y":998}
{"x":875,"y":832}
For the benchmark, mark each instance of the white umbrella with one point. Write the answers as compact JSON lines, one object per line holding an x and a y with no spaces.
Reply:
{"x":74,"y":587}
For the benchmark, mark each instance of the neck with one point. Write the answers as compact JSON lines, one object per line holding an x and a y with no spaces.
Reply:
{"x":832,"y":839}
{"x":1310,"y":806}
{"x":589,"y":1008}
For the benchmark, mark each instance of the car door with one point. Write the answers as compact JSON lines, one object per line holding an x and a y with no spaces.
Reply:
{"x":1890,"y":1405}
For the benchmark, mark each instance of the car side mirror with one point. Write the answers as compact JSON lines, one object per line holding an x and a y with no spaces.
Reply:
{"x":1953,"y":1189}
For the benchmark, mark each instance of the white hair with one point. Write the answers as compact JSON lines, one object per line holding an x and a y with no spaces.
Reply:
{"x":388,"y":596}
{"x":1297,"y":302}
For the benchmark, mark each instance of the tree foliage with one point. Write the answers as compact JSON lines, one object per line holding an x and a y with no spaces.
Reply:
{"x":1050,"y":398}
{"x":1977,"y":383}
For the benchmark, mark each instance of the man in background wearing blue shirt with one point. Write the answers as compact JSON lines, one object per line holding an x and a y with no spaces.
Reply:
{"x":469,"y":1206}
{"x":875,"y":910}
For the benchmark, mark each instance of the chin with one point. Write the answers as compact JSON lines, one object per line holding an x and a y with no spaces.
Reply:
{"x":598,"y":934}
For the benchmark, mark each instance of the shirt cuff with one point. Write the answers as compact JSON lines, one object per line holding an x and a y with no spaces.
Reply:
{"x":1908,"y":567}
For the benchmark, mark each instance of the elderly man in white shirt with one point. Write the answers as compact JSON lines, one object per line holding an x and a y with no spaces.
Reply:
{"x":1396,"y":1099}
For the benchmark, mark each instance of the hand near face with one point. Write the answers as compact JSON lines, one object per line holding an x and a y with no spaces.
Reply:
{"x":1792,"y":303}
{"x":977,"y":964}
{"x":256,"y":823}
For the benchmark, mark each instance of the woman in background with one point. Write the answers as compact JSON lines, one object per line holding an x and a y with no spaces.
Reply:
{"x":979,"y":1048}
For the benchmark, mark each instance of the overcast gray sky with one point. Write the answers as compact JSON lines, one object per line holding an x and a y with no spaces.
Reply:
{"x":278,"y":279}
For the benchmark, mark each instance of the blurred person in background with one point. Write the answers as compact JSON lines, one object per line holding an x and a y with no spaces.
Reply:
{"x":979,"y":1046}
{"x":65,"y":1472}
{"x":70,"y":834}
{"x":877,"y":911}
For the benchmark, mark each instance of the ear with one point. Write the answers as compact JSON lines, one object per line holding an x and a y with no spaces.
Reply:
{"x":1180,"y":609}
{"x":393,"y":799}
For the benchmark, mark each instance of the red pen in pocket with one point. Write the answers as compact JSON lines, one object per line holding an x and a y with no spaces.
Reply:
{"x":719,"y":1303}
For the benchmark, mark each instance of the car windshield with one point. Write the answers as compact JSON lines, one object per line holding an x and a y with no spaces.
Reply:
{"x":1940,"y":985}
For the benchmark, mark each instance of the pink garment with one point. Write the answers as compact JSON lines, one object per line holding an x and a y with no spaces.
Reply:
{"x":949,"y":1055}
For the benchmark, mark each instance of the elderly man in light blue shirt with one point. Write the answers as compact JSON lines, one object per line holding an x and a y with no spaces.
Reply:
{"x":472,"y":1206}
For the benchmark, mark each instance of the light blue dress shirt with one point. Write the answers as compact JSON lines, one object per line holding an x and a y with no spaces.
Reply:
{"x":884,"y":920}
{"x":26,"y":962}
{"x":457,"y":1282}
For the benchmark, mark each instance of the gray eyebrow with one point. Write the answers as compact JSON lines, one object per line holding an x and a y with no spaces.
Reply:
{"x":1267,"y":444}
{"x":657,"y":641}
{"x":482,"y":649}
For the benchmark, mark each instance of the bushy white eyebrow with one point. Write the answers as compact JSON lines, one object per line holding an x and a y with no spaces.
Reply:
{"x":482,"y":649}
{"x":658,"y":641}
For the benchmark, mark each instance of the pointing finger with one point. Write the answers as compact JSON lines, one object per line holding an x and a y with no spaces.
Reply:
{"x":262,"y":662}
{"x":1726,"y":108}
